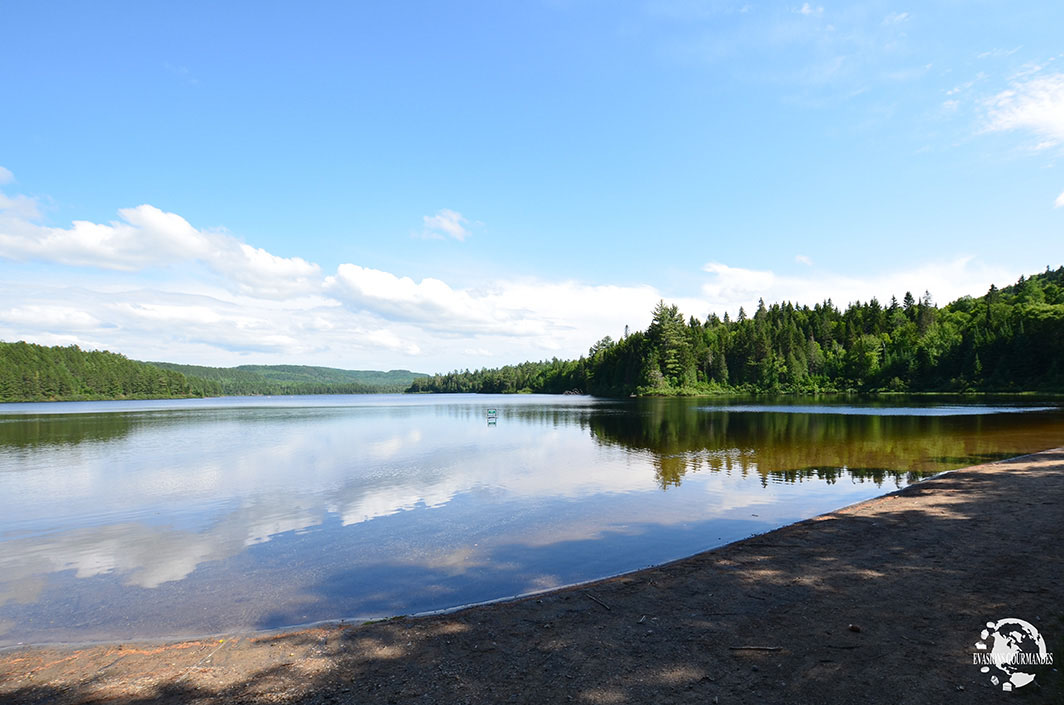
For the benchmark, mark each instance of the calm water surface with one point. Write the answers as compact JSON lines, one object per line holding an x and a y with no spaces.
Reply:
{"x":123,"y":520}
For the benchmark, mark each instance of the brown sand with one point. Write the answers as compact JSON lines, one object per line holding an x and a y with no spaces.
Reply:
{"x":917,"y":573}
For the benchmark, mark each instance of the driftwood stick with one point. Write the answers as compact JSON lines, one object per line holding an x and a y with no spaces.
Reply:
{"x":756,"y":648}
{"x":597,"y":600}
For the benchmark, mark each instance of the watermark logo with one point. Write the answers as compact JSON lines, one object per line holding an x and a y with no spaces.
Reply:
{"x":1008,"y":650}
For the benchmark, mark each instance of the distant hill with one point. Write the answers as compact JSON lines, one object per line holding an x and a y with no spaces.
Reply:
{"x":293,"y":379}
{"x":31,"y":372}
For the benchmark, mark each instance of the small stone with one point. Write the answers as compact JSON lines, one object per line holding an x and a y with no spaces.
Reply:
{"x":854,"y":628}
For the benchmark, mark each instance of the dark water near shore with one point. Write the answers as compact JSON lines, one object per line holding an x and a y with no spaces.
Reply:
{"x":124,"y":520}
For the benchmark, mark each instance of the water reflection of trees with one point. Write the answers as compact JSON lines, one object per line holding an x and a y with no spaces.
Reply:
{"x":63,"y":429}
{"x":555,"y":416}
{"x":793,"y":447}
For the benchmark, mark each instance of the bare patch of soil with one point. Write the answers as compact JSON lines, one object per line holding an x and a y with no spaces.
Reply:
{"x":881,"y":602}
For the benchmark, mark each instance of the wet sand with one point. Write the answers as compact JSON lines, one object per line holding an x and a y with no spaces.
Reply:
{"x":881,"y":602}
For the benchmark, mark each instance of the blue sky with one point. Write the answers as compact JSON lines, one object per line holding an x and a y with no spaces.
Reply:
{"x":439,"y":185}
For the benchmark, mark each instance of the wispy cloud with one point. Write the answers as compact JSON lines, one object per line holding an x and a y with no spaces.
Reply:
{"x":1034,"y":105}
{"x":963,"y":87}
{"x":802,"y":259}
{"x":818,"y":55}
{"x":907,"y":74}
{"x":182,"y":74}
{"x":998,"y":53}
{"x":446,"y":223}
{"x":1059,"y":203}
{"x":6,"y":176}
{"x":896,"y":18}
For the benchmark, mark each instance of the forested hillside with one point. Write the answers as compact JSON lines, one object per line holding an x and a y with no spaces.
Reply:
{"x":30,"y":372}
{"x":294,"y":379}
{"x":1010,"y":339}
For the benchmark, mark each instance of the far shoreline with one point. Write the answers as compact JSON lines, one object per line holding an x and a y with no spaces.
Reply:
{"x":701,"y":395}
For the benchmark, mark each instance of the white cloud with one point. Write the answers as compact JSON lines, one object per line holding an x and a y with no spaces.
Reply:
{"x":447,"y":223}
{"x":222,"y":301}
{"x":430,"y":302}
{"x":555,"y":317}
{"x":15,"y":209}
{"x":807,"y":9}
{"x":1059,"y":203}
{"x":265,"y":274}
{"x":6,"y":176}
{"x":1035,"y":105}
{"x":50,"y":317}
{"x":144,"y":237}
{"x":896,"y":18}
{"x":279,"y":309}
{"x":390,"y":341}
{"x":732,"y":287}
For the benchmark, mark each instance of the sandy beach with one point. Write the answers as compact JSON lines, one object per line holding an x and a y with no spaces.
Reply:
{"x":881,"y":602}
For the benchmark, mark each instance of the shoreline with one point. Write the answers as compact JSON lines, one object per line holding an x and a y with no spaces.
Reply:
{"x":874,"y":394}
{"x":916,"y":572}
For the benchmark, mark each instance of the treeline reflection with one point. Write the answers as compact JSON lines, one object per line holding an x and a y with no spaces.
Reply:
{"x":791,"y":447}
{"x":64,"y":429}
{"x":677,"y":436}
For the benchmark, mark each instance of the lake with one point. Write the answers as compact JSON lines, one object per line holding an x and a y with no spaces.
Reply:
{"x":140,"y":519}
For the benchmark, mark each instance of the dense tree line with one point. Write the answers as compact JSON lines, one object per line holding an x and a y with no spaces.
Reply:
{"x":1010,"y":339}
{"x":30,"y":372}
{"x":548,"y":377}
{"x":292,"y":379}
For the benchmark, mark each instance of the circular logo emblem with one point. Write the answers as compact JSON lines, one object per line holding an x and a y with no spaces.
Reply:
{"x":1008,"y":650}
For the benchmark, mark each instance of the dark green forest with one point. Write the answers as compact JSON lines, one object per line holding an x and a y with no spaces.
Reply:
{"x":1008,"y":340}
{"x":30,"y":372}
{"x":293,"y":379}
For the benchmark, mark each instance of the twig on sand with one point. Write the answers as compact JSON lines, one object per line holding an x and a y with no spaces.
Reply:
{"x":756,"y":648}
{"x":221,"y":644}
{"x":597,"y":600}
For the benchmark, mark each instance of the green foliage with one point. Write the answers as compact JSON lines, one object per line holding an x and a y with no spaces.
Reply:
{"x":30,"y":372}
{"x":1011,"y":339}
{"x":550,"y":377}
{"x":294,"y":379}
